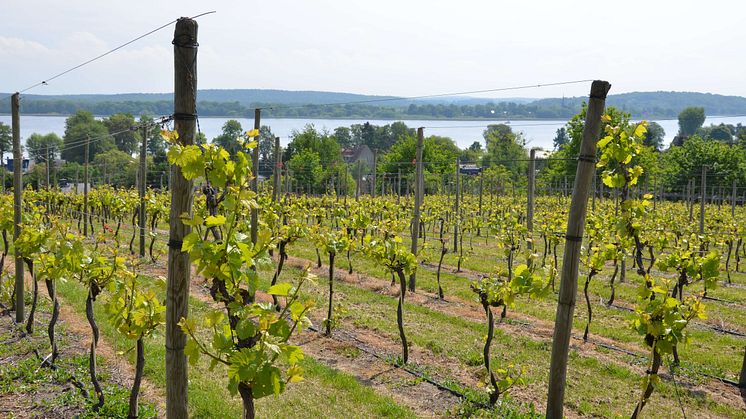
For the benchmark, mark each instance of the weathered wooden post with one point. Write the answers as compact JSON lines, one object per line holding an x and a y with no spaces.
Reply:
{"x":456,"y":215}
{"x":418,"y":198}
{"x":530,"y":203}
{"x":570,"y":262}
{"x":276,"y":172}
{"x":15,"y":105}
{"x":255,"y":180}
{"x":141,"y":189}
{"x":177,"y":293}
{"x":86,"y":180}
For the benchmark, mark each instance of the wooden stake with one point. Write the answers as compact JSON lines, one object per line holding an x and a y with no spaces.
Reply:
{"x":177,"y":293}
{"x":141,"y":189}
{"x":703,"y":200}
{"x":255,"y":181}
{"x":276,"y":172}
{"x":570,"y":262}
{"x":456,"y":217}
{"x":86,"y":179}
{"x":419,"y":184}
{"x":15,"y":105}
{"x":530,"y":203}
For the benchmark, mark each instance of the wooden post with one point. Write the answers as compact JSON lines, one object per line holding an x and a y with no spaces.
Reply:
{"x":570,"y":262}
{"x":255,"y":181}
{"x":141,"y":189}
{"x":733,"y":200}
{"x":86,"y":179}
{"x":398,"y":185}
{"x":655,"y":192}
{"x":15,"y":105}
{"x":276,"y":172}
{"x":177,"y":294}
{"x":359,"y":185}
{"x":702,"y":201}
{"x":742,"y":377}
{"x":530,"y":203}
{"x":593,"y":194}
{"x":690,"y":198}
{"x":418,"y":198}
{"x":456,"y":217}
{"x":375,"y":170}
{"x":481,"y":184}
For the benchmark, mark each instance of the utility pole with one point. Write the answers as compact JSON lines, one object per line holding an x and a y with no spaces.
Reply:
{"x":418,"y":199}
{"x":571,"y":260}
{"x":15,"y":105}
{"x":141,"y":188}
{"x":177,"y":293}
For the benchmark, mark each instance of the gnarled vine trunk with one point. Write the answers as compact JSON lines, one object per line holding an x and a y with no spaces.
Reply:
{"x":139,"y":366}
{"x":92,"y":293}
{"x":400,"y":316}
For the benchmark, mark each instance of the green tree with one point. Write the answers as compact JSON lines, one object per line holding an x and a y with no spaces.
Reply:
{"x":121,"y":127}
{"x":721,"y":132}
{"x":232,"y":130}
{"x":39,"y":147}
{"x":505,"y":148}
{"x":266,"y":151}
{"x":343,"y":136}
{"x":561,"y":138}
{"x":439,"y":153}
{"x":322,"y":144}
{"x":306,"y":168}
{"x":6,"y":141}
{"x":116,"y":167}
{"x":679,"y":164}
{"x":654,"y":136}
{"x":80,"y":127}
{"x":690,"y":120}
{"x":473,"y":154}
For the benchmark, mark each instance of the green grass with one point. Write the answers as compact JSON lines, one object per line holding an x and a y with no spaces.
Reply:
{"x":324,"y":392}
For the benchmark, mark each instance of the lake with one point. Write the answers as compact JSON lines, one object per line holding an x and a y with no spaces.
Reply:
{"x":538,"y":133}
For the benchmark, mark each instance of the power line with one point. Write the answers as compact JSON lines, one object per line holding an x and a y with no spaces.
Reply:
{"x":98,"y":57}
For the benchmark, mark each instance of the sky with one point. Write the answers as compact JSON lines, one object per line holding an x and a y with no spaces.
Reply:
{"x":383,"y":47}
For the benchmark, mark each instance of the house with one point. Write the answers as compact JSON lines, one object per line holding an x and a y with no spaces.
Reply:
{"x":359,"y":154}
{"x":26,"y":165}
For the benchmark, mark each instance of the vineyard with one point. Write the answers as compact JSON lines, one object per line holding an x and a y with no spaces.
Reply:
{"x":343,"y":268}
{"x":228,"y":295}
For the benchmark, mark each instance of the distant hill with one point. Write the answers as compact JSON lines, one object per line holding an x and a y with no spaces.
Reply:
{"x":659,"y":104}
{"x":316,"y":104}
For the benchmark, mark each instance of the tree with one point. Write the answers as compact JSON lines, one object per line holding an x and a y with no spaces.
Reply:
{"x":722,"y":133}
{"x":117,"y":168}
{"x":322,"y":144}
{"x":473,"y":154}
{"x":690,"y":120}
{"x":121,"y":127}
{"x":232,"y":130}
{"x":343,"y":136}
{"x":440,"y":153}
{"x":266,"y":151}
{"x":40,"y":147}
{"x":679,"y":164}
{"x":6,"y":141}
{"x":80,"y":127}
{"x":505,"y":148}
{"x":561,"y":138}
{"x":306,"y":167}
{"x":654,"y":136}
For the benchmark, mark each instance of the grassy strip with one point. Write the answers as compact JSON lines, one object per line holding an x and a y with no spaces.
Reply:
{"x":324,"y":393}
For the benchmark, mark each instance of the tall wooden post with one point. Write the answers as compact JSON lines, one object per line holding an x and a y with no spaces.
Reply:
{"x":177,"y":294}
{"x":456,"y":217}
{"x":703,"y":200}
{"x":570,"y":262}
{"x":398,"y":185}
{"x":15,"y":105}
{"x":419,"y":189}
{"x":255,"y":181}
{"x":375,"y":173}
{"x":655,"y":192}
{"x":530,"y":203}
{"x":733,"y":200}
{"x":690,"y":198}
{"x":86,"y":180}
{"x":481,"y":184}
{"x":141,"y":188}
{"x":276,"y":172}
{"x":359,"y":185}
